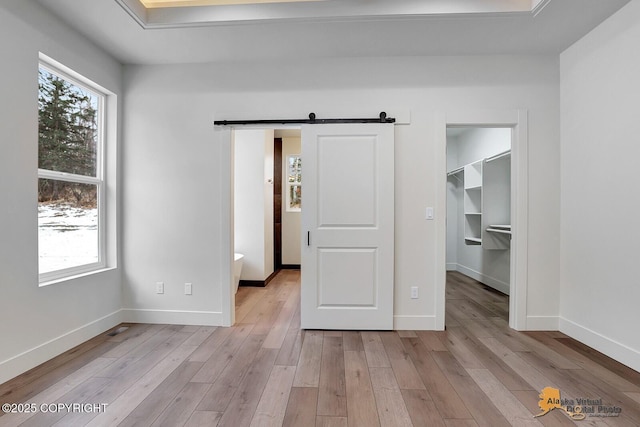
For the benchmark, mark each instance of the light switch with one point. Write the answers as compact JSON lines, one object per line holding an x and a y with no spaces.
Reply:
{"x":429,"y":214}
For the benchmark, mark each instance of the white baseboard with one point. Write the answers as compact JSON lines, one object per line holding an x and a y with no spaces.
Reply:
{"x":29,"y":359}
{"x":452,"y":266}
{"x":542,"y":323}
{"x":487,"y":280}
{"x":172,"y":317}
{"x":613,"y":349}
{"x":414,"y":323}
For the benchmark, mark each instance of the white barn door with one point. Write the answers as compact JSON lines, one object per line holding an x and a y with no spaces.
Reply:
{"x":347,"y":226}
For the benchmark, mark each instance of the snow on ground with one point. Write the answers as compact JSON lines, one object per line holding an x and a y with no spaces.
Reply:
{"x":67,"y":236}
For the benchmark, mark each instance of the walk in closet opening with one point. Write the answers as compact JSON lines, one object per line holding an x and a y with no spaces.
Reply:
{"x":478,"y":258}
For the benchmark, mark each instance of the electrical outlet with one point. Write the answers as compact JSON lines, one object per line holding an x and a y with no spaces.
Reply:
{"x":414,"y":292}
{"x":187,"y":289}
{"x":159,"y":287}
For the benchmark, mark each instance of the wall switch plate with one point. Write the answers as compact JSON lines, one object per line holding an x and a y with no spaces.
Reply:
{"x":187,"y":288}
{"x":414,"y":292}
{"x":159,"y":287}
{"x":429,"y":213}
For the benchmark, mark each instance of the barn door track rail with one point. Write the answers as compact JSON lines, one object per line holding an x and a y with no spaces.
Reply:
{"x":312,"y":120}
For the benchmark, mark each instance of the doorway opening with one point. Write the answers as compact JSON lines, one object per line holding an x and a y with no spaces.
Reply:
{"x":478,"y":242}
{"x":517,"y":124}
{"x":265,"y":234}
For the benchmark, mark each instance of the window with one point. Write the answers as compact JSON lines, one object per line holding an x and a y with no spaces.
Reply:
{"x":70,"y":174}
{"x":294,"y":183}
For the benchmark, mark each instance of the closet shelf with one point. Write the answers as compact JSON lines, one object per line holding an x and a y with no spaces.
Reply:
{"x":473,"y":240}
{"x":473,"y":213}
{"x":499,"y":228}
{"x":475,"y":187}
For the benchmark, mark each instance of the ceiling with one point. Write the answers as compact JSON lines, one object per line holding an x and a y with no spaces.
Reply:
{"x":134,"y":34}
{"x":194,"y":3}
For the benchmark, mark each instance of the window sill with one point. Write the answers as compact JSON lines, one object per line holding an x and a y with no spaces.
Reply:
{"x":76,"y":276}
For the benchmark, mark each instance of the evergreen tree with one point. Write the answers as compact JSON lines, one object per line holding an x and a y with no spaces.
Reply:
{"x":66,"y":134}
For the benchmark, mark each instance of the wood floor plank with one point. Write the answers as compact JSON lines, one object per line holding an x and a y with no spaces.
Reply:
{"x":273,"y":403}
{"x":289,"y":353}
{"x":79,"y":394}
{"x":422,"y":409}
{"x":204,"y":419}
{"x":633,"y":395}
{"x":352,"y":341}
{"x":479,"y":404}
{"x":301,"y":408}
{"x":278,"y":331}
{"x":225,"y":386}
{"x":458,"y":344}
{"x":443,"y":394}
{"x":308,"y":372}
{"x":534,"y":377}
{"x":58,"y":390}
{"x":204,"y":350}
{"x":401,"y":363}
{"x":332,"y":399}
{"x":373,"y":348}
{"x":179,"y":411}
{"x":244,"y":307}
{"x":133,"y":396}
{"x":200,"y":335}
{"x":491,"y":361}
{"x":133,"y":367}
{"x":324,"y":421}
{"x":134,"y":341}
{"x":460,"y":423}
{"x":126,"y":331}
{"x":361,"y":404}
{"x":431,"y":340}
{"x":221,"y":356}
{"x":151,"y":407}
{"x":479,"y":328}
{"x":392,"y":410}
{"x":507,"y":403}
{"x":507,"y":336}
{"x":603,"y":360}
{"x":26,"y":386}
{"x":587,"y":364}
{"x":242,"y":406}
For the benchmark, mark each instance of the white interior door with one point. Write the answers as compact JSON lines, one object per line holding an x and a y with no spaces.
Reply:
{"x":347,"y":226}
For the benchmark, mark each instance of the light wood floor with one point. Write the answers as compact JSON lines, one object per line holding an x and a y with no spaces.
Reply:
{"x":265,"y":371}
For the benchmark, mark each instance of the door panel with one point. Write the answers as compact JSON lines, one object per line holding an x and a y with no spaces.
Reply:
{"x":354,"y":202}
{"x":348,"y":222}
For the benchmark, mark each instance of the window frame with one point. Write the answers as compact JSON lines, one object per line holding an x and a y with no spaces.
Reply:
{"x":296,"y":183}
{"x":98,"y":180}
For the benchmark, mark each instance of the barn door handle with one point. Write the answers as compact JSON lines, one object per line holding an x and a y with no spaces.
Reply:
{"x":308,"y":238}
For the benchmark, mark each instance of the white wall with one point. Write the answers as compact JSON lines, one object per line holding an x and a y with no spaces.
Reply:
{"x":600,"y":290}
{"x":290,"y":220}
{"x":487,"y":266}
{"x":339,"y":87}
{"x":254,"y":202}
{"x":37,"y":323}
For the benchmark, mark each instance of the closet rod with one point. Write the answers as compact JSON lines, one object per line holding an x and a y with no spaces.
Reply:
{"x":455,"y":171}
{"x":310,"y":121}
{"x":497,"y":156}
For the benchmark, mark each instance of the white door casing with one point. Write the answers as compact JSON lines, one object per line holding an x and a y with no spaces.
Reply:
{"x":347,"y":226}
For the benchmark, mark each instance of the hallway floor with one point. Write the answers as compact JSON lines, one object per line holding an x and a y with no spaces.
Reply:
{"x":265,"y":371}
